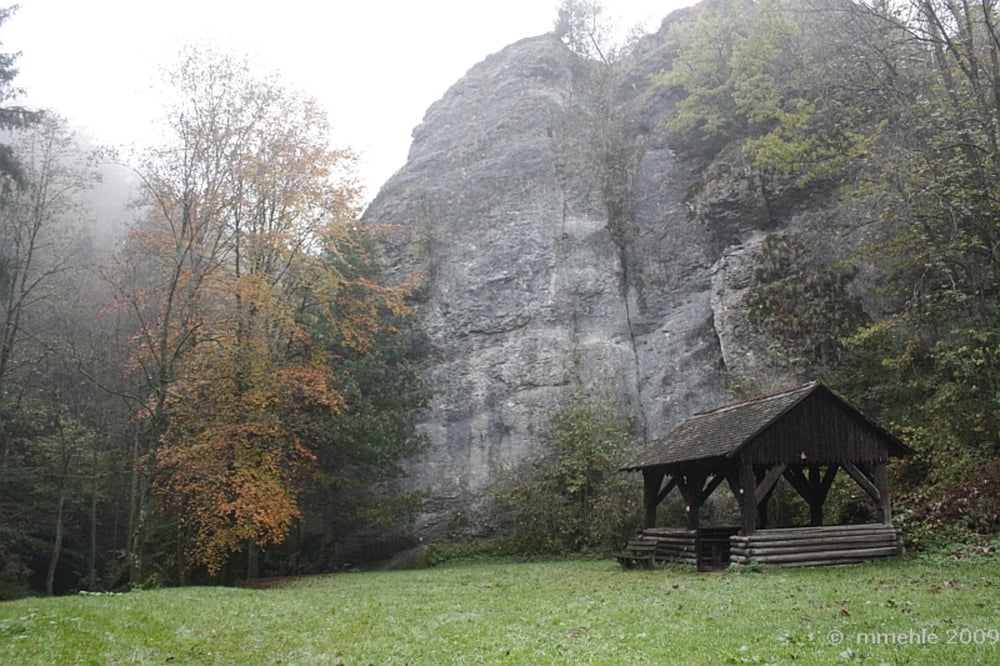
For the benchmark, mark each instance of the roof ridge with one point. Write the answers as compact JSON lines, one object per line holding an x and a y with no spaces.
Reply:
{"x":760,"y":398}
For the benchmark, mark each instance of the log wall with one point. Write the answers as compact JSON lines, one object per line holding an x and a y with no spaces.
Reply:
{"x":674,"y":544}
{"x":816,"y":546}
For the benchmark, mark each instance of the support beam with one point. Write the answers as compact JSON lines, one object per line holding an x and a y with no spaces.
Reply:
{"x":763,"y":521}
{"x":713,"y":484}
{"x":823,"y":490}
{"x":692,"y":486}
{"x":772,"y":476}
{"x":813,"y":489}
{"x":862,"y":479}
{"x":827,"y":483}
{"x":666,"y":491}
{"x":796,"y":479}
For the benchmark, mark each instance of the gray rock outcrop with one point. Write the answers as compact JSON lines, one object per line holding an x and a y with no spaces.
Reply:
{"x":544,"y":261}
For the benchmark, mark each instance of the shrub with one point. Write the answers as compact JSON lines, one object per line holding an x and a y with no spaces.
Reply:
{"x":570,"y":498}
{"x":965,"y":512}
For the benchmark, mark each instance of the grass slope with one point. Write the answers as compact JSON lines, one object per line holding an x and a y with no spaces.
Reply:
{"x":568,"y":612}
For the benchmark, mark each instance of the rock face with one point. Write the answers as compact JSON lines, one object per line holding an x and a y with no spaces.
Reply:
{"x":547,"y":261}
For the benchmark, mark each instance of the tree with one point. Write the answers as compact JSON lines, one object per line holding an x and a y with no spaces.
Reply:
{"x":37,"y":236}
{"x":895,"y":104}
{"x":234,"y":326}
{"x":571,"y":498}
{"x":775,"y":77}
{"x":358,"y":450}
{"x":12,"y":117}
{"x":40,"y":243}
{"x":934,"y":231}
{"x":804,"y":308}
{"x":17,"y":240}
{"x":69,"y":442}
{"x":583,"y":27}
{"x":707,"y":117}
{"x":609,"y":116}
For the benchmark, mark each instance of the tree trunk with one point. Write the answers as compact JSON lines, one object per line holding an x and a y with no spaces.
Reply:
{"x":133,"y":512}
{"x":4,"y":449}
{"x":50,"y":575}
{"x":253,"y":560}
{"x":179,"y":555}
{"x":65,"y":456}
{"x":92,"y":558}
{"x":137,"y":561}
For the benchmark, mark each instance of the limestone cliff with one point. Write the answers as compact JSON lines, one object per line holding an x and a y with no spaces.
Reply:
{"x":558,"y":240}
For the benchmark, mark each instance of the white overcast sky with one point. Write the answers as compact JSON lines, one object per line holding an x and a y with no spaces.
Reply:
{"x":375,"y":64}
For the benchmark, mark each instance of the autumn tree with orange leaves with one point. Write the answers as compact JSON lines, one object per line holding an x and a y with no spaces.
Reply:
{"x":242,"y":287}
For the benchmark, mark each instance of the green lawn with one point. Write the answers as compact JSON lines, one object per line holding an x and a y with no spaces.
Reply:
{"x":567,"y":612}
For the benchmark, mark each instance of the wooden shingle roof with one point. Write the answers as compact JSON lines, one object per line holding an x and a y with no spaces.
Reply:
{"x":722,"y":432}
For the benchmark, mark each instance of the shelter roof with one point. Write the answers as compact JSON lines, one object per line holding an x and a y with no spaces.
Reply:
{"x":722,"y":432}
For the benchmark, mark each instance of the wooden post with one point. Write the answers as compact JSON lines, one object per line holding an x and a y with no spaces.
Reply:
{"x":692,"y":488}
{"x":816,"y":497}
{"x":748,"y":500}
{"x":652,"y":477}
{"x":692,"y":517}
{"x":880,"y":475}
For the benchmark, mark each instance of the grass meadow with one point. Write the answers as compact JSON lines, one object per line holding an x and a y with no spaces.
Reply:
{"x":907,"y":611}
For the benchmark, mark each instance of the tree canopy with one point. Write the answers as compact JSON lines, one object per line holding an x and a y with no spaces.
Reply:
{"x":238,"y":346}
{"x":895,"y":105}
{"x":260,"y":282}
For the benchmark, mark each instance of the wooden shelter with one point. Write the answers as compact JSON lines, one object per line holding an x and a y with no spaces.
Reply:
{"x":805,"y":435}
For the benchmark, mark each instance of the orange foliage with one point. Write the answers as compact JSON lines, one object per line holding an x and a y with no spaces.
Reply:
{"x":231,"y":461}
{"x":250,"y":271}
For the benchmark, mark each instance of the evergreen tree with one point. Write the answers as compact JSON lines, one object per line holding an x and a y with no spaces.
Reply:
{"x":12,"y":116}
